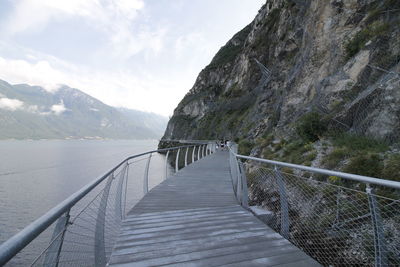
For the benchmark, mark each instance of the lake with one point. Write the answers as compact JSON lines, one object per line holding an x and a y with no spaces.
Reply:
{"x":37,"y":175}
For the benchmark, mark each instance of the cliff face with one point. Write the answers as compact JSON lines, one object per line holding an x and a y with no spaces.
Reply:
{"x":338,"y":59}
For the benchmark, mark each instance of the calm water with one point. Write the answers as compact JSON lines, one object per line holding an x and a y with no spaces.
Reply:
{"x":36,"y":175}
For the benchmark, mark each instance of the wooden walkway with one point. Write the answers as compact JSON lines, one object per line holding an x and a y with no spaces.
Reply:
{"x":193,"y":219}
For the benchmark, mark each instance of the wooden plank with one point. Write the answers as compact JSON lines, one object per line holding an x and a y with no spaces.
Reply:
{"x":193,"y":219}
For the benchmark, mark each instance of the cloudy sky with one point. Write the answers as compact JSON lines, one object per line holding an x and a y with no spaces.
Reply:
{"x":140,"y":54}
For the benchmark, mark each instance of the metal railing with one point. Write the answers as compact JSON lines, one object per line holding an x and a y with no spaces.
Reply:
{"x":339,"y":219}
{"x":86,"y":224}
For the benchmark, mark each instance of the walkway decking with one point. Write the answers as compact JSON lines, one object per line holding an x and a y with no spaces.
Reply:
{"x":193,"y":219}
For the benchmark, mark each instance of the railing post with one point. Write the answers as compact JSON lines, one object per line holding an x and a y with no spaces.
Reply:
{"x":118,"y":198}
{"x":379,"y":237}
{"x":198,"y":152}
{"x":202,"y":151}
{"x":146,"y":176}
{"x":245,"y":194}
{"x":186,"y":155}
{"x":233,"y":170}
{"x":283,"y":203}
{"x":166,"y":166}
{"x":53,"y":253}
{"x":194,"y":149}
{"x":239,"y":192}
{"x":99,"y":248}
{"x":177,"y":161}
{"x":126,"y":189}
{"x":233,"y":167}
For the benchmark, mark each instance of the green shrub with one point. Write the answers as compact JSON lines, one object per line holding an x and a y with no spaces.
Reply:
{"x":334,"y":180}
{"x":331,"y":160}
{"x":273,"y":18}
{"x":311,"y":156}
{"x":287,"y":170}
{"x":268,"y":154}
{"x":359,"y":143}
{"x":365,"y":164}
{"x":311,"y":127}
{"x":245,"y":147}
{"x":294,"y":152}
{"x":392,"y":168}
{"x":280,"y":145}
{"x":376,"y":28}
{"x":265,"y":140}
{"x":293,"y":146}
{"x":230,"y":50}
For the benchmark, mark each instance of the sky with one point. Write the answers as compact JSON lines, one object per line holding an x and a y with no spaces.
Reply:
{"x":138,"y":54}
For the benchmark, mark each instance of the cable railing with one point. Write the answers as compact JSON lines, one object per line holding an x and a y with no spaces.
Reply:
{"x":339,"y":219}
{"x":85,"y":225}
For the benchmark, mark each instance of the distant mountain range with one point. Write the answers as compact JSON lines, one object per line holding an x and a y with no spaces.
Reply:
{"x":31,"y":112}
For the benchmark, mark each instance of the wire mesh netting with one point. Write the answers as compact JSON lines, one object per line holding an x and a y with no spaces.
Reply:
{"x":337,"y":222}
{"x":367,"y":103}
{"x":85,"y":234}
{"x":361,"y":108}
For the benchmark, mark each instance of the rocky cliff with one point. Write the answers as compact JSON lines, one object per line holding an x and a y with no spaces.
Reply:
{"x":301,"y":69}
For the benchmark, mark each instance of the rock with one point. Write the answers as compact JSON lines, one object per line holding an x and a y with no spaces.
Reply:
{"x":304,"y":45}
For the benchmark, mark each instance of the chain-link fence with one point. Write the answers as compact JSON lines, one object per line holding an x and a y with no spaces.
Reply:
{"x":336,"y":220}
{"x":367,"y":104}
{"x":85,"y":226}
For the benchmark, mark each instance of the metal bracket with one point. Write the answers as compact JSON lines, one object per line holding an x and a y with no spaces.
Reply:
{"x":186,"y":155}
{"x":166,"y":166}
{"x":146,"y":176}
{"x":177,"y":161}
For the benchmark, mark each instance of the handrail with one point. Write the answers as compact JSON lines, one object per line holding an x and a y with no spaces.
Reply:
{"x":20,"y":240}
{"x":182,"y":141}
{"x":349,"y":176}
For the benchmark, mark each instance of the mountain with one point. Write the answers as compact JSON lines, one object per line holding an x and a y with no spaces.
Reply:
{"x":309,"y":82}
{"x":147,"y":119}
{"x":32,"y":112}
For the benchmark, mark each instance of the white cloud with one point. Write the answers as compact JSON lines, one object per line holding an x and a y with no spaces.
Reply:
{"x":111,"y":17}
{"x":39,"y":73}
{"x":58,"y":109}
{"x":11,"y":104}
{"x":15,"y":104}
{"x":128,"y":7}
{"x":33,"y":15}
{"x":32,"y":109}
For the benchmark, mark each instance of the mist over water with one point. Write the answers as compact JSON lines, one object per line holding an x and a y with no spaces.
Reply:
{"x":37,"y":175}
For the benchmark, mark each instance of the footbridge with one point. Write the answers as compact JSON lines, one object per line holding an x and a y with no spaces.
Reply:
{"x":215,"y":207}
